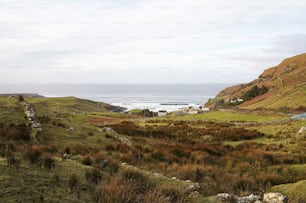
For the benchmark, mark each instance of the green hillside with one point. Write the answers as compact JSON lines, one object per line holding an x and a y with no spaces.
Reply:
{"x":284,"y":87}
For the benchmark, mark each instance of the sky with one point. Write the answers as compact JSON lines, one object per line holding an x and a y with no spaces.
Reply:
{"x":146,"y":41}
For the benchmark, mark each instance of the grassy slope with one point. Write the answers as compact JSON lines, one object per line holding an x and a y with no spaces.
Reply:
{"x":295,"y":192}
{"x":11,"y":111}
{"x":287,"y":86}
{"x":31,"y":183}
{"x":68,"y":104}
{"x":66,"y":127}
{"x":231,"y":116}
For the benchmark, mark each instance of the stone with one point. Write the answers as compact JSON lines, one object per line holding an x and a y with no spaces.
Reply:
{"x":224,"y":196}
{"x":302,"y":129}
{"x":275,"y":197}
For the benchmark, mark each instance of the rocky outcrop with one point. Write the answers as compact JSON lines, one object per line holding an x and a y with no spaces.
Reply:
{"x":31,"y":117}
{"x":246,"y":199}
{"x":271,"y":197}
{"x":275,"y":197}
{"x":117,"y":136}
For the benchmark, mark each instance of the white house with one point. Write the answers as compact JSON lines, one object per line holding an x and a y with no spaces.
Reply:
{"x":162,"y":113}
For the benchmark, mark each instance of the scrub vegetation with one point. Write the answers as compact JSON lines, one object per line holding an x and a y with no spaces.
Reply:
{"x":85,"y":152}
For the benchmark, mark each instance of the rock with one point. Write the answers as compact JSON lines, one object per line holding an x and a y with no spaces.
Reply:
{"x":275,"y":197}
{"x":157,"y":174}
{"x":302,"y":129}
{"x":76,"y":157}
{"x":224,"y":196}
{"x":194,"y":195}
{"x":246,"y":199}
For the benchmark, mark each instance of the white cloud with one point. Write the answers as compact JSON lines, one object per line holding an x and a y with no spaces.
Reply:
{"x":185,"y":40}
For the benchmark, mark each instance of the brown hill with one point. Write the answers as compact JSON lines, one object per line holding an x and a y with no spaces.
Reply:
{"x":277,"y":87}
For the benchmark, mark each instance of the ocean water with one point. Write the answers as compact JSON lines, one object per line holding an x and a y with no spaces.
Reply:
{"x":154,"y":97}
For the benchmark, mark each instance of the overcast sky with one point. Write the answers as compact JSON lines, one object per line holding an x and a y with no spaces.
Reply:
{"x":146,"y":41}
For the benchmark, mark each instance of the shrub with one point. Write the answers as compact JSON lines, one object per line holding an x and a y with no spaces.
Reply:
{"x":15,"y":131}
{"x":73,"y":181}
{"x":116,"y":189}
{"x":87,"y":160}
{"x":140,"y":182}
{"x":57,"y":178}
{"x":13,"y":161}
{"x":192,"y":172}
{"x":254,"y":92}
{"x":109,"y":166}
{"x":34,"y":153}
{"x":100,"y":156}
{"x":156,"y":196}
{"x":110,"y":147}
{"x":93,"y":176}
{"x":173,"y":194}
{"x":48,"y":162}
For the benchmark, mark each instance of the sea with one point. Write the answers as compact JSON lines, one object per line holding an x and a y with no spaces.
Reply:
{"x":169,"y":97}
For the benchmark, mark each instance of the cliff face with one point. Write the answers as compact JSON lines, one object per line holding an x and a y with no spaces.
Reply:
{"x":285,"y":85}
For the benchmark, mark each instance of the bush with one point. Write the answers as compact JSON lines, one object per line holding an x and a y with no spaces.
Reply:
{"x":93,"y":176}
{"x":57,"y":178}
{"x":109,"y":166}
{"x":156,"y":196}
{"x":34,"y":153}
{"x":13,"y":161}
{"x":48,"y":162}
{"x":254,"y":92}
{"x":173,"y":194}
{"x":73,"y":181}
{"x":15,"y":132}
{"x":140,"y":182}
{"x":87,"y":161}
{"x":116,"y":189}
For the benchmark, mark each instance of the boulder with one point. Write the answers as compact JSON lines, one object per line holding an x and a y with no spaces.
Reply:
{"x":224,"y":196}
{"x":275,"y":197}
{"x":302,"y":129}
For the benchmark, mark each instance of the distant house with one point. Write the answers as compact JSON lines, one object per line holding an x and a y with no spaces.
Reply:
{"x":162,"y":113}
{"x":236,"y":101}
{"x":193,"y":111}
{"x":205,"y":109}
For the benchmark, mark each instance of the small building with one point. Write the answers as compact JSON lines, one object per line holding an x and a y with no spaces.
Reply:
{"x":162,"y":113}
{"x":193,"y":111}
{"x":205,"y":109}
{"x":236,"y":101}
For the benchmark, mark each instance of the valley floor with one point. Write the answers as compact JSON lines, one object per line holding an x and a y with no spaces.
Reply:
{"x":85,"y":153}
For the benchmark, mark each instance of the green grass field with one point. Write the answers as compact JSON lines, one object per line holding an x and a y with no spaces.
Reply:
{"x":231,"y":116}
{"x":11,"y":111}
{"x":294,"y":191}
{"x":31,"y":184}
